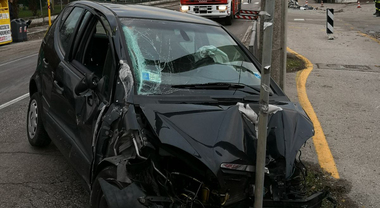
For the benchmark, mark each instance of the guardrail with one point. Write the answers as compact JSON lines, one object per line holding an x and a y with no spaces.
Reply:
{"x":145,"y":2}
{"x":254,"y":38}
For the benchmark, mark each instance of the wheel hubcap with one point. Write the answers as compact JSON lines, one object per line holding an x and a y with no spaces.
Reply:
{"x":32,"y":119}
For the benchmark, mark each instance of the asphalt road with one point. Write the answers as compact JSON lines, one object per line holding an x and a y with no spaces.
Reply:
{"x":32,"y":177}
{"x":343,"y":88}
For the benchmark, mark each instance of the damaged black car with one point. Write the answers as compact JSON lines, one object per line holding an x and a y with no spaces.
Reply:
{"x":156,"y":108}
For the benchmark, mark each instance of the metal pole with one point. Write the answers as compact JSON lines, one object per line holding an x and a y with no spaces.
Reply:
{"x":48,"y":1}
{"x":42,"y":14}
{"x":267,"y":16}
{"x":284,"y":44}
{"x":260,"y":33}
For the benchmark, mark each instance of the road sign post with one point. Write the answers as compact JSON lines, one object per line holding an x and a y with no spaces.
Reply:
{"x":49,"y":13}
{"x":330,"y":23}
{"x":267,"y":16}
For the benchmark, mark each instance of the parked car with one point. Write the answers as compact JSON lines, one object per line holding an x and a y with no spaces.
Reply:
{"x":156,"y":108}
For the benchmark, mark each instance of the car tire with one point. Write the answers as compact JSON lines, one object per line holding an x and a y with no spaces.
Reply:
{"x":97,"y":198}
{"x":228,"y":20}
{"x":36,"y":133}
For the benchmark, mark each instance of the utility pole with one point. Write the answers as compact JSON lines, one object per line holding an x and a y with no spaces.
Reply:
{"x":279,"y":41}
{"x":268,"y":18}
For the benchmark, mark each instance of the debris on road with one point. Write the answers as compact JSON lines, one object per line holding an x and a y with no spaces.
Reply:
{"x":294,"y":5}
{"x":317,"y":180}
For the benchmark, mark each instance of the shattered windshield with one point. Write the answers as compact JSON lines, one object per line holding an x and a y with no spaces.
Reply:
{"x":167,"y":53}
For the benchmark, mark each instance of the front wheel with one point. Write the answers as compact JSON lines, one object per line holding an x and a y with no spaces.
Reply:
{"x":97,"y":197}
{"x":228,"y":20}
{"x":37,"y":135}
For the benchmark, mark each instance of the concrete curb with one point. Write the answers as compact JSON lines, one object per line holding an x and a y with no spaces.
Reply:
{"x":325,"y":157}
{"x":42,"y":20}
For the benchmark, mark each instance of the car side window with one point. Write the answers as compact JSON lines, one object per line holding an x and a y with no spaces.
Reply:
{"x":95,"y":52}
{"x":66,"y":13}
{"x":67,"y":29}
{"x":86,"y":17}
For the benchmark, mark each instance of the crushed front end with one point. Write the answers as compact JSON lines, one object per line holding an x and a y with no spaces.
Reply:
{"x":204,"y":156}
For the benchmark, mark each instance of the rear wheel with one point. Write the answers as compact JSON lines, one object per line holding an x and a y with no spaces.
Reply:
{"x":37,"y":135}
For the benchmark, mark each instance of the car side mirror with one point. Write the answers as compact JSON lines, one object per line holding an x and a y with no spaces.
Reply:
{"x":89,"y":81}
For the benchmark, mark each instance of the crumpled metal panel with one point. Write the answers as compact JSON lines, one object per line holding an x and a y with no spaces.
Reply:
{"x":217,"y":134}
{"x":120,"y":198}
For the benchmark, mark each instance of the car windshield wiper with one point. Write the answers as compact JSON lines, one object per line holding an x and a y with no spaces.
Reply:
{"x":211,"y":85}
{"x":221,"y":86}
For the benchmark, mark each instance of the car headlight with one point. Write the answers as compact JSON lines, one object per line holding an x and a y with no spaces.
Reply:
{"x":241,"y":167}
{"x":184,"y":8}
{"x":222,"y":8}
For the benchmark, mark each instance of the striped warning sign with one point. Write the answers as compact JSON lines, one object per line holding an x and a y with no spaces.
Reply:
{"x":249,"y":12}
{"x":248,"y":17}
{"x":330,"y":21}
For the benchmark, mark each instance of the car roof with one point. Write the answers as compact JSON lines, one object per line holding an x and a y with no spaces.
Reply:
{"x":147,"y":12}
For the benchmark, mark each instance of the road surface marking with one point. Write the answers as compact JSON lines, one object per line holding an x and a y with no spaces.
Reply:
{"x":9,"y":62}
{"x":14,"y":101}
{"x":246,"y":35}
{"x":299,"y":19}
{"x":325,"y":158}
{"x":368,"y":36}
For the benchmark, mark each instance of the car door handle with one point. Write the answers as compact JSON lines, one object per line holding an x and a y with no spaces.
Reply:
{"x":58,"y":87}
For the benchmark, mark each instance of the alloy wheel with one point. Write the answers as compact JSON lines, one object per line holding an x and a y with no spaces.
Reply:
{"x":32,"y":119}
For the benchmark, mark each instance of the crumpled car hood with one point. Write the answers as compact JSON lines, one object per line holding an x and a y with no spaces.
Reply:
{"x":222,"y":134}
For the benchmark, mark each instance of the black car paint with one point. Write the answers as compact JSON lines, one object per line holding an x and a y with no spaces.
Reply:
{"x":189,"y":127}
{"x":175,"y":124}
{"x":71,"y":134}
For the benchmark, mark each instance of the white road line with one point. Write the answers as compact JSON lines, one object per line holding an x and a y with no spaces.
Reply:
{"x":18,"y":59}
{"x":299,"y":19}
{"x":246,"y":35}
{"x":14,"y":101}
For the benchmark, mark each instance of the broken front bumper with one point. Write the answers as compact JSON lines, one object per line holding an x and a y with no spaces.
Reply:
{"x":132,"y":196}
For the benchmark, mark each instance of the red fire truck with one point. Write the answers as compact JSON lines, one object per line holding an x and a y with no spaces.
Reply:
{"x":226,"y":9}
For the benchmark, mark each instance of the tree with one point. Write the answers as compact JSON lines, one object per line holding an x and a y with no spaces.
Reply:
{"x":33,"y":6}
{"x":15,"y":8}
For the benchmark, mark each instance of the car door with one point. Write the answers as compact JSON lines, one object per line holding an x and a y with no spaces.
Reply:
{"x":48,"y":61}
{"x":60,"y":114}
{"x":90,"y":54}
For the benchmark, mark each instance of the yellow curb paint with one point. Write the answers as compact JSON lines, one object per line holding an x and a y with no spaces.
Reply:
{"x":325,"y":158}
{"x":370,"y":37}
